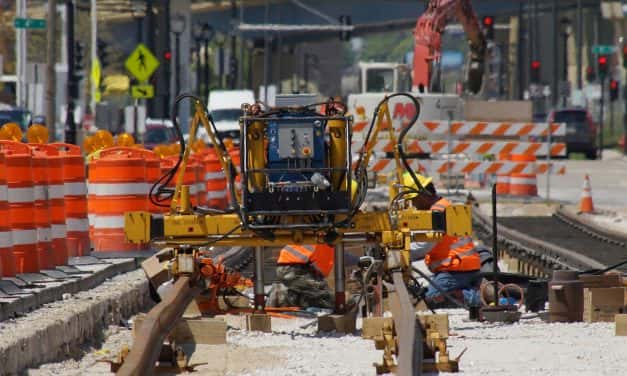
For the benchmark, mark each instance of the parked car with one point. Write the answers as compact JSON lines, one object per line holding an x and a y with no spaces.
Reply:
{"x":581,"y":131}
{"x":158,"y":132}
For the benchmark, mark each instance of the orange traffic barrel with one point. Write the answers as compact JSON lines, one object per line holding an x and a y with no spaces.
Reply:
{"x":234,"y":152}
{"x":502,"y":180}
{"x":56,"y":199}
{"x":117,"y":184}
{"x":21,"y":199}
{"x":189,"y":178}
{"x":43,"y":219}
{"x":75,"y":196}
{"x":153,"y":173}
{"x":201,"y":187}
{"x":523,"y":184}
{"x":215,"y":180}
{"x":7,"y":260}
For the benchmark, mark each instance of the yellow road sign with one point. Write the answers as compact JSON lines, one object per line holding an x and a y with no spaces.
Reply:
{"x":142,"y":91}
{"x":141,"y":63}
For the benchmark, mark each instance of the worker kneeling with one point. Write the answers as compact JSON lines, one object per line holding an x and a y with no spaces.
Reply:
{"x":454,"y":261}
{"x":301,"y":272}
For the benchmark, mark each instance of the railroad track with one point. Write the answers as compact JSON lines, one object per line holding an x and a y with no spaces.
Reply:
{"x":560,"y":241}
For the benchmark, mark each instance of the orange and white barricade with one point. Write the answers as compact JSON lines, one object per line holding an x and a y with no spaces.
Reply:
{"x":524,"y":183}
{"x":43,"y":217}
{"x":21,"y":199}
{"x":75,"y":196}
{"x":7,"y":260}
{"x":117,"y":184}
{"x":215,"y":180}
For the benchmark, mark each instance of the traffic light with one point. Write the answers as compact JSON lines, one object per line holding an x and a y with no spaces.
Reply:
{"x":625,"y":57}
{"x":103,"y":54}
{"x":535,"y":71}
{"x":79,"y":59}
{"x":603,"y":69}
{"x":613,"y":90}
{"x":488,"y":27}
{"x":590,"y":75}
{"x":233,"y":68}
{"x":345,"y":20}
{"x":167,"y":57}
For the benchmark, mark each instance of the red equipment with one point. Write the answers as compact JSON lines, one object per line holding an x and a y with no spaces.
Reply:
{"x":428,"y":42}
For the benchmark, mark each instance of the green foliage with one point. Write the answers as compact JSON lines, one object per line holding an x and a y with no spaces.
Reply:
{"x":387,"y":46}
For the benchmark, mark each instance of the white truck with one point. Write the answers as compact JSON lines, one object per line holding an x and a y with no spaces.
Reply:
{"x":225,"y":109}
{"x":378,"y":79}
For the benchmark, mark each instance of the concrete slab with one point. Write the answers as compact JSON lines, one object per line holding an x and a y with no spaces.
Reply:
{"x":29,"y":296}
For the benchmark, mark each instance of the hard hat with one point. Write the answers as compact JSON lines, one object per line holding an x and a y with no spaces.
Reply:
{"x":408,"y":181}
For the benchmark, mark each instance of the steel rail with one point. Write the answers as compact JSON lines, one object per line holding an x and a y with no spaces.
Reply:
{"x":156,"y":326}
{"x":408,"y":332}
{"x":551,"y":255}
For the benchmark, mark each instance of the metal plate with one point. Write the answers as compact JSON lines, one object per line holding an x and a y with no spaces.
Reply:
{"x":31,"y":278}
{"x":85,"y":260}
{"x":71,"y":270}
{"x":56,"y":274}
{"x":8,"y":287}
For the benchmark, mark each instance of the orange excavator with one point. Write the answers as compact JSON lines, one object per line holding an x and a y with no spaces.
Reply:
{"x":428,"y":44}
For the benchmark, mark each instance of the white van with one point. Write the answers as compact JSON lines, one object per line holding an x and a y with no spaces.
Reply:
{"x":225,"y":108}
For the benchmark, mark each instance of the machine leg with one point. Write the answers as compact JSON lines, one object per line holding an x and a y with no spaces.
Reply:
{"x":340,"y":282}
{"x":260,"y":295}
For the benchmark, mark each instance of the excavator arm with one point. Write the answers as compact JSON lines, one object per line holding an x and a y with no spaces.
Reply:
{"x":428,"y":42}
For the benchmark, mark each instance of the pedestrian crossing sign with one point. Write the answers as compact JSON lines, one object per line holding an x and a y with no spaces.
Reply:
{"x":141,"y":63}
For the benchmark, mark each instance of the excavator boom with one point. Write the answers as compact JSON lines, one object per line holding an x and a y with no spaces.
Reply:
{"x":428,"y":42}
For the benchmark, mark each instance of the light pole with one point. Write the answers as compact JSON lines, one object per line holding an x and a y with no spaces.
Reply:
{"x":220,"y":41}
{"x":138,"y":12}
{"x":207,"y":33}
{"x":566,"y":32}
{"x":177,"y":26}
{"x":197,"y":34}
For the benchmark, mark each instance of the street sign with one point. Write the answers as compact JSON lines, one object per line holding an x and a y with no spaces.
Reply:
{"x":142,"y":91}
{"x":141,"y":63}
{"x":29,"y":23}
{"x":601,"y":49}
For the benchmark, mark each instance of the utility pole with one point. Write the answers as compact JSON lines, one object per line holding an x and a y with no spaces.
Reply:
{"x":20,"y":55}
{"x":232,"y":57}
{"x":601,"y":125}
{"x":579,"y":43}
{"x":51,"y":59}
{"x":94,"y":56}
{"x":72,"y":84}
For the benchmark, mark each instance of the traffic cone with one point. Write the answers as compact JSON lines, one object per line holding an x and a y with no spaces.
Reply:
{"x":585,"y":205}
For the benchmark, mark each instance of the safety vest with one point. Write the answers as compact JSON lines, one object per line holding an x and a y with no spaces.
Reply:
{"x":320,"y":256}
{"x":452,"y":253}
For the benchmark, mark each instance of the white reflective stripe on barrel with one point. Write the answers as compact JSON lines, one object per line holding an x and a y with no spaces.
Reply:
{"x":40,"y":192}
{"x":4,"y":193}
{"x":59,"y":231}
{"x":200,"y":187}
{"x":75,"y":189}
{"x":21,"y":195}
{"x":213,"y":194}
{"x":113,"y":221}
{"x":91,"y":218}
{"x":214,"y":175}
{"x":23,"y":237}
{"x":56,"y":191}
{"x":44,"y":234}
{"x":5,"y":239}
{"x":118,"y":189}
{"x":77,"y":224}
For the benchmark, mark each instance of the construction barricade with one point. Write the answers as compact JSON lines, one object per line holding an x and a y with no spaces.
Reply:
{"x":523,"y":184}
{"x":43,"y":218}
{"x":215,"y":180}
{"x":21,"y":202}
{"x":75,"y":198}
{"x":117,"y":184}
{"x":7,"y":260}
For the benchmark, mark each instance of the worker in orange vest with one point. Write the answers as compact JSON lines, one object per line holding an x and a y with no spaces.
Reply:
{"x":301,"y":272}
{"x":454,"y":261}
